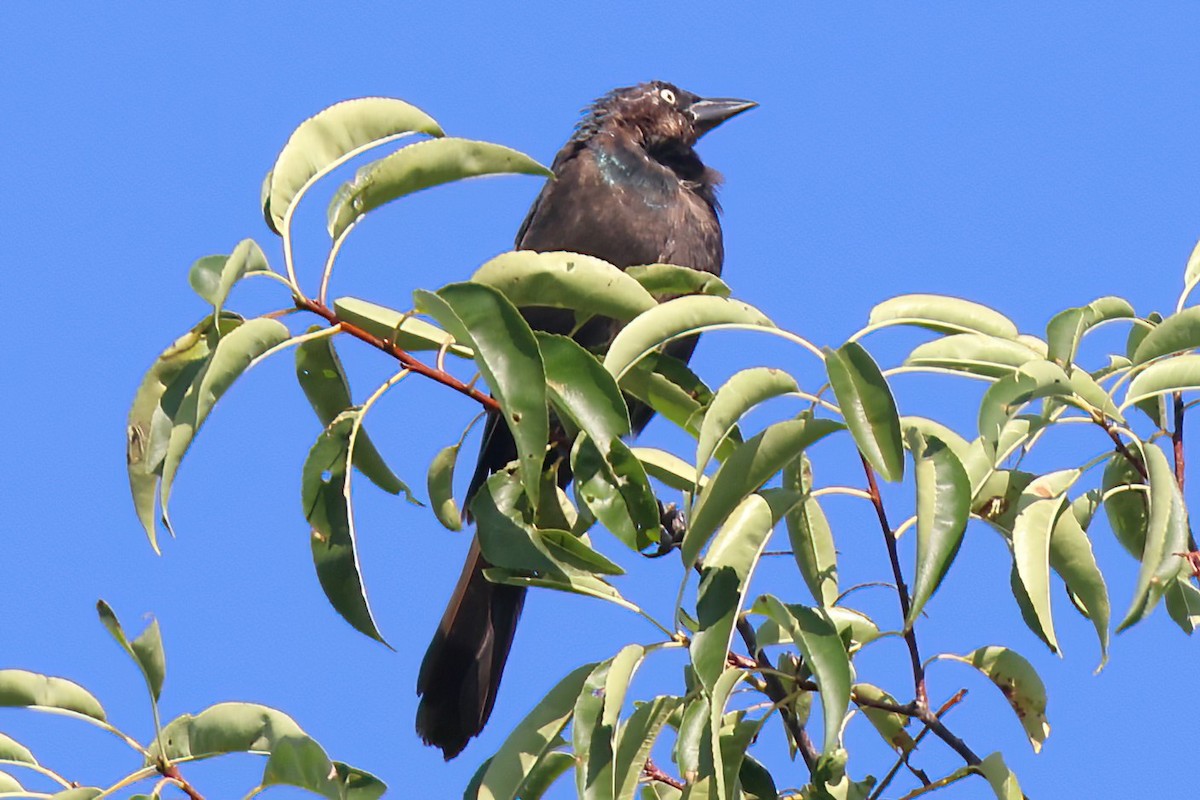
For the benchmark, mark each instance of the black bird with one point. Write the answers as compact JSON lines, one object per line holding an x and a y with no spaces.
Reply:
{"x":630,"y":189}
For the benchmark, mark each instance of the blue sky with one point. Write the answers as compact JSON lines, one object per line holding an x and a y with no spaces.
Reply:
{"x":1033,"y":157}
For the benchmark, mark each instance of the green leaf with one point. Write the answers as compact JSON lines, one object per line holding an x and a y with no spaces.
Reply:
{"x":404,"y":330}
{"x":1072,"y":558}
{"x":731,"y":733}
{"x":756,"y":780}
{"x":441,"y":487}
{"x":1175,"y":334}
{"x":1128,"y":510}
{"x":868,"y":407}
{"x":224,"y":728}
{"x":12,"y":750}
{"x":942,"y":314}
{"x":1177,"y":374}
{"x":321,"y":376}
{"x":810,"y":535}
{"x":146,"y":650}
{"x":213,"y":277}
{"x":22,"y":689}
{"x":79,"y":793}
{"x":1183,"y":604}
{"x":507,"y":355}
{"x":545,"y":773}
{"x":747,"y":468}
{"x":324,"y":140}
{"x":592,"y":736}
{"x":325,"y":496}
{"x":1000,"y":778}
{"x":530,"y":742}
{"x":724,"y":578}
{"x":418,"y":166}
{"x":1018,"y":682}
{"x":1066,"y":329}
{"x":300,"y":761}
{"x":582,"y":390}
{"x":1166,"y":537}
{"x":235,"y":353}
{"x":572,"y":281}
{"x":736,"y":397}
{"x":612,"y":484}
{"x":154,"y":408}
{"x":973,"y":353}
{"x":1008,"y":395}
{"x":665,"y":281}
{"x":670,"y":469}
{"x":890,"y":725}
{"x":672,"y":320}
{"x":943,"y":508}
{"x":637,"y":736}
{"x":10,"y":784}
{"x":1032,"y":529}
{"x":670,"y":388}
{"x":817,"y":637}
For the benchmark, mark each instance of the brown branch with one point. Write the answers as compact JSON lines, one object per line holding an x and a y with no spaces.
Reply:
{"x":651,"y":771}
{"x":1136,"y":462}
{"x":910,"y":637}
{"x":903,"y":760}
{"x":1177,"y":440}
{"x":171,"y":772}
{"x":774,"y":689}
{"x":405,"y":358}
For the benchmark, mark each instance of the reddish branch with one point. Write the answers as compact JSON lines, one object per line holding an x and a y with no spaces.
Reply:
{"x":903,"y":760}
{"x":653,"y":773}
{"x":172,"y":772}
{"x":405,"y":358}
{"x":1177,"y":439}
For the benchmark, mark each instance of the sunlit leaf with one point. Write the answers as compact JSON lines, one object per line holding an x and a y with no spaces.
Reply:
{"x":544,"y":773}
{"x":297,"y":760}
{"x":1175,"y":334}
{"x":815,"y":635}
{"x":20,"y":688}
{"x":1178,"y":374}
{"x":1166,"y":537}
{"x":225,"y":728}
{"x":418,"y":166}
{"x":973,"y":353}
{"x":1020,"y":684}
{"x":1031,"y":534}
{"x":327,"y":138}
{"x":890,"y":725}
{"x":1066,"y":329}
{"x":12,"y":750}
{"x":531,"y":740}
{"x":943,"y":314}
{"x":669,"y":280}
{"x":868,"y":407}
{"x":1183,"y":604}
{"x":670,"y":388}
{"x":507,"y":355}
{"x":440,"y":484}
{"x":741,"y":393}
{"x":325,"y":496}
{"x":404,"y":330}
{"x":1007,"y":396}
{"x":673,"y":319}
{"x":324,"y":382}
{"x":613,"y":485}
{"x":670,"y":469}
{"x":810,"y":535}
{"x":637,"y":736}
{"x":573,"y":281}
{"x":1000,"y":778}
{"x":1072,"y":558}
{"x":213,"y":277}
{"x":80,"y":793}
{"x":10,"y":784}
{"x":943,"y":508}
{"x":1128,"y":510}
{"x":146,"y":649}
{"x":724,"y":578}
{"x":746,"y":469}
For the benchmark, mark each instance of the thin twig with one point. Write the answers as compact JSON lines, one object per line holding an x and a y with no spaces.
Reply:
{"x":903,"y":760}
{"x":651,"y":771}
{"x":403,"y":356}
{"x":172,"y":772}
{"x":1104,"y":423}
{"x":1177,"y":440}
{"x":774,"y":689}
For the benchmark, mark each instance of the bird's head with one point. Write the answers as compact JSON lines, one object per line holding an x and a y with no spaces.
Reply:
{"x":660,"y":113}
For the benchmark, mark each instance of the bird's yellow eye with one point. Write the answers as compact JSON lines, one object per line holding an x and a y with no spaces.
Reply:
{"x":668,"y":95}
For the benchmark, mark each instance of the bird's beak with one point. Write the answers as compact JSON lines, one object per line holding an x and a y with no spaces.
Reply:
{"x":708,"y":113}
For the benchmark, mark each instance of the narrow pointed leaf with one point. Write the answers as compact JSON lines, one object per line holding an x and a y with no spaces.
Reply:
{"x":745,"y":470}
{"x":213,"y":277}
{"x":10,"y":784}
{"x":670,"y":388}
{"x":817,"y":637}
{"x":810,"y":535}
{"x":581,"y":283}
{"x":1072,"y":558}
{"x":404,"y":330}
{"x":441,"y":487}
{"x":1008,"y":395}
{"x":637,"y":737}
{"x":1178,"y":374}
{"x":724,"y":578}
{"x":324,"y":382}
{"x":868,"y":407}
{"x":1174,"y":334}
{"x":300,"y":761}
{"x":80,"y":793}
{"x":1019,"y":682}
{"x":1031,"y":535}
{"x":612,"y":484}
{"x":146,"y":650}
{"x":665,"y":281}
{"x":668,"y":468}
{"x":328,"y":137}
{"x":418,"y":166}
{"x":325,"y":496}
{"x":507,"y":355}
{"x":155,"y":405}
{"x":673,"y":319}
{"x":973,"y":353}
{"x":737,"y":396}
{"x":943,"y":314}
{"x":724,"y":733}
{"x":1066,"y":329}
{"x":1128,"y":510}
{"x":890,"y":725}
{"x":1166,"y":537}
{"x":12,"y":750}
{"x":236,"y":352}
{"x":592,"y":738}
{"x":943,"y":508}
{"x":19,"y":688}
{"x":531,"y":740}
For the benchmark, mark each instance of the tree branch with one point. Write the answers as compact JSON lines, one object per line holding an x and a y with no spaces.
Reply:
{"x":651,"y":771}
{"x":774,"y":689}
{"x":903,"y":760}
{"x":405,"y":358}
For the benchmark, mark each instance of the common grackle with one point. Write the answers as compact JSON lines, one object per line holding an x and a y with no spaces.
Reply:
{"x":630,"y":189}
